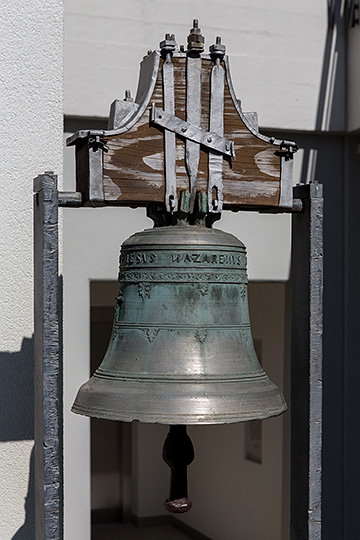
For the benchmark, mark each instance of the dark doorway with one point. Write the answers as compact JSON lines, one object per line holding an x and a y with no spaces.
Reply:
{"x":110,"y":441}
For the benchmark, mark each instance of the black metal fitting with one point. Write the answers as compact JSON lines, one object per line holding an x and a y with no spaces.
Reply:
{"x":195,"y":39}
{"x":168,"y":45}
{"x":218,"y":49}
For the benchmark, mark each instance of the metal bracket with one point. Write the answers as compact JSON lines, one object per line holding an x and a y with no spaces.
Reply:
{"x":287,"y":149}
{"x":167,"y":48}
{"x":217,"y":86}
{"x":96,"y":187}
{"x":193,"y":133}
{"x":193,"y":106}
{"x":121,"y":112}
{"x":286,"y":153}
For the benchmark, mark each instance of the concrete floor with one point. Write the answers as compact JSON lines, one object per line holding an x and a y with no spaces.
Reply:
{"x":127,"y":531}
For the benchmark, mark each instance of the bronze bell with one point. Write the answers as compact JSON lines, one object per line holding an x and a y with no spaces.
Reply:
{"x":181,"y":351}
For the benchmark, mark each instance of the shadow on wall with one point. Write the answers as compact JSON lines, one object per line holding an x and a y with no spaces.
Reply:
{"x":27,"y":530}
{"x":17,"y":415}
{"x":17,"y":393}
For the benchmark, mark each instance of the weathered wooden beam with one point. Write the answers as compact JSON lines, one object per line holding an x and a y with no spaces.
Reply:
{"x":129,"y":165}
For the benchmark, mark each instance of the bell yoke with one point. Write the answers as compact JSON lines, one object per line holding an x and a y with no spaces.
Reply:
{"x":181,"y":350}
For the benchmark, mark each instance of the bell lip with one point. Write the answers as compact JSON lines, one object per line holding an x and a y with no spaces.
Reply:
{"x":231,"y":402}
{"x":177,"y":419}
{"x":123,"y":377}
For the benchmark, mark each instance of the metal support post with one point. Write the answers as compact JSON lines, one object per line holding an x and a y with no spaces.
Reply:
{"x":48,"y":363}
{"x":306,"y":364}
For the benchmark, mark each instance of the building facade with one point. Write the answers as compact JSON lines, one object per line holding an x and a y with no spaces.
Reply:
{"x":296,"y":65}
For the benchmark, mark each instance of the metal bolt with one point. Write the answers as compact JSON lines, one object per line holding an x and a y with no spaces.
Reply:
{"x":195,"y":39}
{"x":128,"y":96}
{"x":217,"y":50}
{"x":160,"y":116}
{"x":227,"y":146}
{"x":209,"y":139}
{"x":272,"y":139}
{"x":172,"y":202}
{"x":183,"y":129}
{"x":168,"y":45}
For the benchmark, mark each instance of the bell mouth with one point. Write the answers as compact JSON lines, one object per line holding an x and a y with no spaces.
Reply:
{"x":185,"y":403}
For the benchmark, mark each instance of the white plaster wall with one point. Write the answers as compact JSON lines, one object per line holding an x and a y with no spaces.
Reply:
{"x":92,"y":239}
{"x":276,"y":51}
{"x":31,"y":88}
{"x":14,"y":482}
{"x":267,"y":239}
{"x":31,"y":96}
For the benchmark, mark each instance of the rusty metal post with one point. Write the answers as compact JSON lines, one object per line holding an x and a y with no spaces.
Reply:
{"x":48,"y":363}
{"x":306,"y":364}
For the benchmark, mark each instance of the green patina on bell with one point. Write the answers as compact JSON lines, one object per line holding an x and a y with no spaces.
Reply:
{"x":181,"y":350}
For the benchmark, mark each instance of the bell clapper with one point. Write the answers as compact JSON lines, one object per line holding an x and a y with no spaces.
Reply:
{"x":178,"y":453}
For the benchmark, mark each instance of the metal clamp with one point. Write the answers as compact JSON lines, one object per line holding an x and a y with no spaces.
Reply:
{"x":287,"y":149}
{"x":286,"y":152}
{"x":95,"y":142}
{"x":193,"y":133}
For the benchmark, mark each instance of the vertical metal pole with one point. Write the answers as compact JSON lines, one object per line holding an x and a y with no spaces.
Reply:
{"x":306,"y":364}
{"x":48,"y":369}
